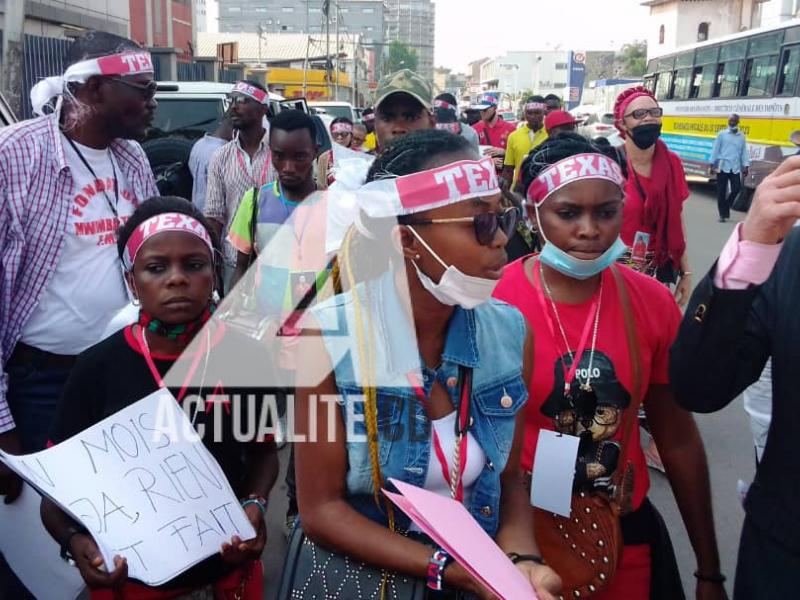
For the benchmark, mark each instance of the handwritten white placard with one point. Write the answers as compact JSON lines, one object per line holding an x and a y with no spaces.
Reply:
{"x":144,"y":486}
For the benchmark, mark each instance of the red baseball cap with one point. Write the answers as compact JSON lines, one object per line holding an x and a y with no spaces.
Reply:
{"x":557,"y":118}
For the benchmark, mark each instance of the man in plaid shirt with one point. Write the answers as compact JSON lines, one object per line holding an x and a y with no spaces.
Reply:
{"x":67,"y":181}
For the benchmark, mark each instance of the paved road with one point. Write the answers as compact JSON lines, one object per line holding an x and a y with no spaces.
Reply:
{"x":726,"y":434}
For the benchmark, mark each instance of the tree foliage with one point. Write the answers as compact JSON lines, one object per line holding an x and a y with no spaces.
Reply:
{"x":401,"y":56}
{"x":632,"y":59}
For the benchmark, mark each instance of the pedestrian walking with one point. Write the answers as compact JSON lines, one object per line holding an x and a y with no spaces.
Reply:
{"x":520,"y":143}
{"x":493,"y":131}
{"x":168,"y":250}
{"x":200,"y":157}
{"x":731,"y":163}
{"x":69,"y":179}
{"x":433,"y":329}
{"x":652,"y":225}
{"x":446,"y":113}
{"x":599,"y":355}
{"x":742,"y":314}
{"x":341,"y":130}
{"x":238,"y":166}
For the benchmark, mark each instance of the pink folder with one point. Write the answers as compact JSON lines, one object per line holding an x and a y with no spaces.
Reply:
{"x":451,"y":526}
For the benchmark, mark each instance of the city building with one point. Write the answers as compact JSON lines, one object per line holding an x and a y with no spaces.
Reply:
{"x":294,"y":63}
{"x":413,"y":23}
{"x":163,"y":24}
{"x":676,"y":23}
{"x":68,"y":18}
{"x":357,"y":17}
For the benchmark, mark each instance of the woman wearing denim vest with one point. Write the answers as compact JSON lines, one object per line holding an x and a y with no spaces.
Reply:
{"x":415,"y":338}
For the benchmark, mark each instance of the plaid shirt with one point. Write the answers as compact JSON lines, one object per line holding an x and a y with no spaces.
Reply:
{"x":35,"y":197}
{"x":229,"y":178}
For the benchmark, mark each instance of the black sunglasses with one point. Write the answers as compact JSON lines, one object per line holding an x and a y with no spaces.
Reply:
{"x":146,"y":91}
{"x":640,"y":113}
{"x":486,"y":224}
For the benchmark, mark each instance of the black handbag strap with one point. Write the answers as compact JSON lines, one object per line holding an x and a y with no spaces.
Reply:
{"x":254,"y":226}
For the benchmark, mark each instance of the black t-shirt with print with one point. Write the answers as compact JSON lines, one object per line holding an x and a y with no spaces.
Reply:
{"x":114,"y":374}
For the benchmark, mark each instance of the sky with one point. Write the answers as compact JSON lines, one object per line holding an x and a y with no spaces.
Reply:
{"x":491,"y":29}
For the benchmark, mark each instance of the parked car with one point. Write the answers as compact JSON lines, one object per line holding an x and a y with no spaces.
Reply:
{"x":597,"y":124}
{"x":508,"y":115}
{"x":334,"y":109}
{"x":186,"y":111}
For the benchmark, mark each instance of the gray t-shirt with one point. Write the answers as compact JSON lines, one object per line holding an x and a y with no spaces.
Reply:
{"x":470,"y":134}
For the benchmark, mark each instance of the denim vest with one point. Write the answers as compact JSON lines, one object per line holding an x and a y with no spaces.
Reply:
{"x":489,"y":339}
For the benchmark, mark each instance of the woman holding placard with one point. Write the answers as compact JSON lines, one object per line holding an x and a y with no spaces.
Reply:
{"x":429,"y":380}
{"x":603,"y":333}
{"x":169,"y":255}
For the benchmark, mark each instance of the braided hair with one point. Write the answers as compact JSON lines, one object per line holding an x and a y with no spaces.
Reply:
{"x":555,"y":149}
{"x":409,"y":154}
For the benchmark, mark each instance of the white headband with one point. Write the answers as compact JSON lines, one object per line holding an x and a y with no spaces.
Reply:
{"x":125,"y":63}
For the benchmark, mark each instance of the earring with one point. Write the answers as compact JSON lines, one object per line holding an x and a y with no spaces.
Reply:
{"x":135,"y":301}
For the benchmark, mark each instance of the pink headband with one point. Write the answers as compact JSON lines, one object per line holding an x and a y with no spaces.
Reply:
{"x":341,"y":128}
{"x":434,"y":188}
{"x":159,"y":224}
{"x":536,"y":106}
{"x":580,"y":166}
{"x":443,"y":104}
{"x":125,"y":63}
{"x":251,"y":91}
{"x":369,"y":118}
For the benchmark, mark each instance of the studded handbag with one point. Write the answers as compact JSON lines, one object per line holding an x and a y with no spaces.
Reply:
{"x":311,"y":571}
{"x":585,"y":548}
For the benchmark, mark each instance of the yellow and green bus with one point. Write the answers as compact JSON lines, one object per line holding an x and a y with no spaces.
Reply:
{"x":753,"y":74}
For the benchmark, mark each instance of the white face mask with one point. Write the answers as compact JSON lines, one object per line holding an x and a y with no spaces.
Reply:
{"x":454,"y":288}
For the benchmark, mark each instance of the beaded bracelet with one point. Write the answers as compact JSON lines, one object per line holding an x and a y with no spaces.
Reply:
{"x":436,"y":566}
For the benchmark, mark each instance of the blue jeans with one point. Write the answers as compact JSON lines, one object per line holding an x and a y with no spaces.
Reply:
{"x":33,"y":394}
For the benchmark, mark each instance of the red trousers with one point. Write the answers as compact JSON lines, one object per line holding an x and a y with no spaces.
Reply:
{"x":632,"y":579}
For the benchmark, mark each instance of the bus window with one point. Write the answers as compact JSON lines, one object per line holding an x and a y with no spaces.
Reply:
{"x":760,"y":76}
{"x":650,"y":83}
{"x":729,"y":82}
{"x":787,"y":75}
{"x":705,"y":71}
{"x":663,"y":86}
{"x":680,"y":88}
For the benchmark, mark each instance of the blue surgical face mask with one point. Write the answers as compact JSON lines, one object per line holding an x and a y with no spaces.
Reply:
{"x":578,"y":268}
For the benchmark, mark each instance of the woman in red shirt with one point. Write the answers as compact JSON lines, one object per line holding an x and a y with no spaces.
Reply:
{"x":652,"y":224}
{"x":590,"y":377}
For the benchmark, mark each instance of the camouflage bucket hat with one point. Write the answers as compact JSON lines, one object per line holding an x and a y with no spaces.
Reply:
{"x":408,"y":82}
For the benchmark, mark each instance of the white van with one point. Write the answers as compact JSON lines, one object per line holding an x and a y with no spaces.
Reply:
{"x":334,"y":109}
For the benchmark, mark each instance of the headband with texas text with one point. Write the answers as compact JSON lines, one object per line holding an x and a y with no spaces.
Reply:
{"x":160,"y":224}
{"x":251,"y":91}
{"x":341,"y":128}
{"x":444,"y":104}
{"x":434,"y":188}
{"x":536,"y":106}
{"x":573,"y":168}
{"x":126,"y":63}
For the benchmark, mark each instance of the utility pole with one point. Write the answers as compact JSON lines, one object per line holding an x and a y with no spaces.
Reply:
{"x":353,"y":95}
{"x":305,"y":68}
{"x":326,"y":9}
{"x":338,"y":16}
{"x":12,"y":55}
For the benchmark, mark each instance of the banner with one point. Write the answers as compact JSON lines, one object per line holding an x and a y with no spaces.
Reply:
{"x":144,"y":486}
{"x":576,"y":78}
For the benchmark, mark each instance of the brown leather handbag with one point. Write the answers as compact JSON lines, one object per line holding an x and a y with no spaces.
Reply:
{"x":585,"y":549}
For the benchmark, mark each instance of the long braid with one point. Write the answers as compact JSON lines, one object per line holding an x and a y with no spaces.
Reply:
{"x":366,"y":358}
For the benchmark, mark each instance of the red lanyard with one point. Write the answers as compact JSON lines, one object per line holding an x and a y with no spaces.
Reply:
{"x":454,"y":480}
{"x":569,"y":374}
{"x":145,"y":348}
{"x":249,"y":172}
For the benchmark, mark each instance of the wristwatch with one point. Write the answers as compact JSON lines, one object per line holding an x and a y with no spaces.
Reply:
{"x":71,"y":532}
